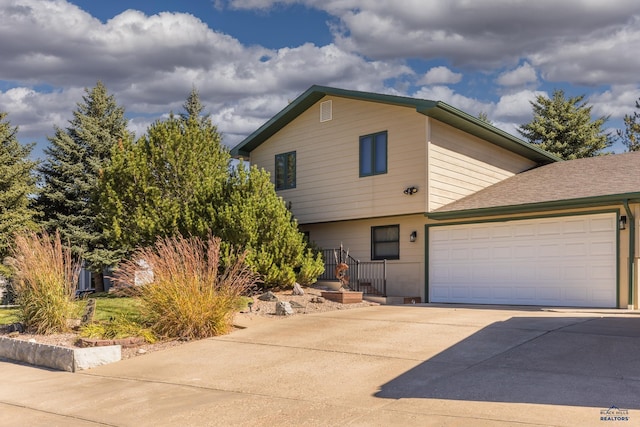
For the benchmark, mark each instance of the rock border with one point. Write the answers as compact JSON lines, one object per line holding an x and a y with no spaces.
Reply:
{"x":56,"y":357}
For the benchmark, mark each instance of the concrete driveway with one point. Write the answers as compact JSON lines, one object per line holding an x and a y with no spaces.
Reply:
{"x":427,"y":365}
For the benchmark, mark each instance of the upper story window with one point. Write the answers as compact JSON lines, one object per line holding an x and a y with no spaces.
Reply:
{"x":385,"y":242}
{"x":286,"y":170}
{"x":373,"y":154}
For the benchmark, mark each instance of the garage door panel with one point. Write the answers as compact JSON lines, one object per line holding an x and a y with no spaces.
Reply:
{"x":602,"y":224}
{"x":561,"y":261}
{"x":603,"y":248}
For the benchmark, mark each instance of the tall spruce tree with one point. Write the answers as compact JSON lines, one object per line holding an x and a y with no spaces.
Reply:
{"x":17,"y":186}
{"x":630,"y":136}
{"x":563,"y":126}
{"x":74,"y":160}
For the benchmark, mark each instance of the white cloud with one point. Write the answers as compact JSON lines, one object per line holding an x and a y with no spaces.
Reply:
{"x":440,"y":75}
{"x":579,"y":41}
{"x":516,"y":106}
{"x":605,"y":55}
{"x":523,"y":75}
{"x":35,"y":113}
{"x":150,"y":64}
{"x":449,"y":96}
{"x":616,"y":102}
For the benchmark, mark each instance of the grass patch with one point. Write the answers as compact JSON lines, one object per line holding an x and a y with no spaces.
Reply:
{"x":108,"y":308}
{"x":9,"y":316}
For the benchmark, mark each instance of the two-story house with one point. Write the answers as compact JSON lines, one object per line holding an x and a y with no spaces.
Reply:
{"x":461,"y":211}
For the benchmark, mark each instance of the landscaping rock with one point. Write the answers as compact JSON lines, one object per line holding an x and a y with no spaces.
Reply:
{"x":16,"y":327}
{"x":268,"y":296}
{"x":295,"y":304}
{"x":317,"y":300}
{"x":283,"y":309}
{"x":297,"y":289}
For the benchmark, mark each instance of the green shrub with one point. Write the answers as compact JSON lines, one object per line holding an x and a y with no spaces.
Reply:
{"x":311,"y":267}
{"x":44,"y":282}
{"x":190,"y":295}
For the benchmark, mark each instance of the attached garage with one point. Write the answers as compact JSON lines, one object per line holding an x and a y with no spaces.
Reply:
{"x":550,"y":261}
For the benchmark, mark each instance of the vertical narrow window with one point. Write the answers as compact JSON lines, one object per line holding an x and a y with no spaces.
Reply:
{"x":373,"y":154}
{"x":385,"y":242}
{"x":286,"y":170}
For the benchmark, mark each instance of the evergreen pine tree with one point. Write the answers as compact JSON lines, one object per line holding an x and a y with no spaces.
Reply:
{"x":168,"y":182}
{"x":176,"y":181}
{"x":74,"y":160}
{"x":255,"y":218}
{"x":630,"y":136}
{"x":564,"y":127}
{"x":17,"y":185}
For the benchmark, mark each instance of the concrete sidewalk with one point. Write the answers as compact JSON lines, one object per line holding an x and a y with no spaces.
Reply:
{"x":421,"y":365}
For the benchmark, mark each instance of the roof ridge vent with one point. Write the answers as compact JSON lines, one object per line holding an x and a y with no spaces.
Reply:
{"x":326,"y":111}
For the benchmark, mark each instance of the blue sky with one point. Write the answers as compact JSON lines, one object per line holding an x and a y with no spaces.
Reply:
{"x":249,"y":58}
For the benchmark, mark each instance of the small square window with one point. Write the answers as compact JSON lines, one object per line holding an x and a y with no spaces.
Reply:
{"x":286,"y":170}
{"x":385,"y":242}
{"x":373,"y":154}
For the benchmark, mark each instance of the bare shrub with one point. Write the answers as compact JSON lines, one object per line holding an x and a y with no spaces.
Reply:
{"x":45,"y":282}
{"x":186,"y":291}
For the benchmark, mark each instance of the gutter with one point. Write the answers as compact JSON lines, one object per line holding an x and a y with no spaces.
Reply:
{"x":632,"y":252}
{"x":583,"y":202}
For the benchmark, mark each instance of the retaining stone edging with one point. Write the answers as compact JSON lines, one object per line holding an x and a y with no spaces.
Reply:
{"x":56,"y":357}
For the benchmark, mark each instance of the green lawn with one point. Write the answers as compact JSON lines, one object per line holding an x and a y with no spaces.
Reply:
{"x":8,"y":316}
{"x":107,"y":307}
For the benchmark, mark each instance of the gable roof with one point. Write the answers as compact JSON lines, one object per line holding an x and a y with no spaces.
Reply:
{"x":436,"y":109}
{"x":574,"y":183}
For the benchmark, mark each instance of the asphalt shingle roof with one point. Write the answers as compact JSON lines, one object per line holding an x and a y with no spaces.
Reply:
{"x":574,"y":179}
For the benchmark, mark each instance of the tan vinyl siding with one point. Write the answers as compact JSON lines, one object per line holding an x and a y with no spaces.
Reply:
{"x":405,"y":276}
{"x":461,"y":164}
{"x":328,"y":185}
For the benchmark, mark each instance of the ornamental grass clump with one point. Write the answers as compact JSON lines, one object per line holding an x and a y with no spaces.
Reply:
{"x":183,"y":290}
{"x":45,"y":281}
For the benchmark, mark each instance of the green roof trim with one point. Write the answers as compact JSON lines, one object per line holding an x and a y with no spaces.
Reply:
{"x":584,"y":202}
{"x":436,"y":109}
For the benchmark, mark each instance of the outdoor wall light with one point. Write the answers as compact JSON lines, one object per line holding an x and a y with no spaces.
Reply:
{"x":623,"y":222}
{"x":410,"y":191}
{"x":413,"y":236}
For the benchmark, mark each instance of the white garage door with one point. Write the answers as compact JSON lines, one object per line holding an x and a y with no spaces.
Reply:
{"x":559,"y":261}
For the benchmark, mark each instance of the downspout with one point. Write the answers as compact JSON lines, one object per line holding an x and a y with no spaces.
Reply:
{"x":632,"y":252}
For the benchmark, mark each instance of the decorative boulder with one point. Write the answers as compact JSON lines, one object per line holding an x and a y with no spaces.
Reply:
{"x":283,"y":309}
{"x":295,"y":304}
{"x":268,"y":296}
{"x":297,"y":289}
